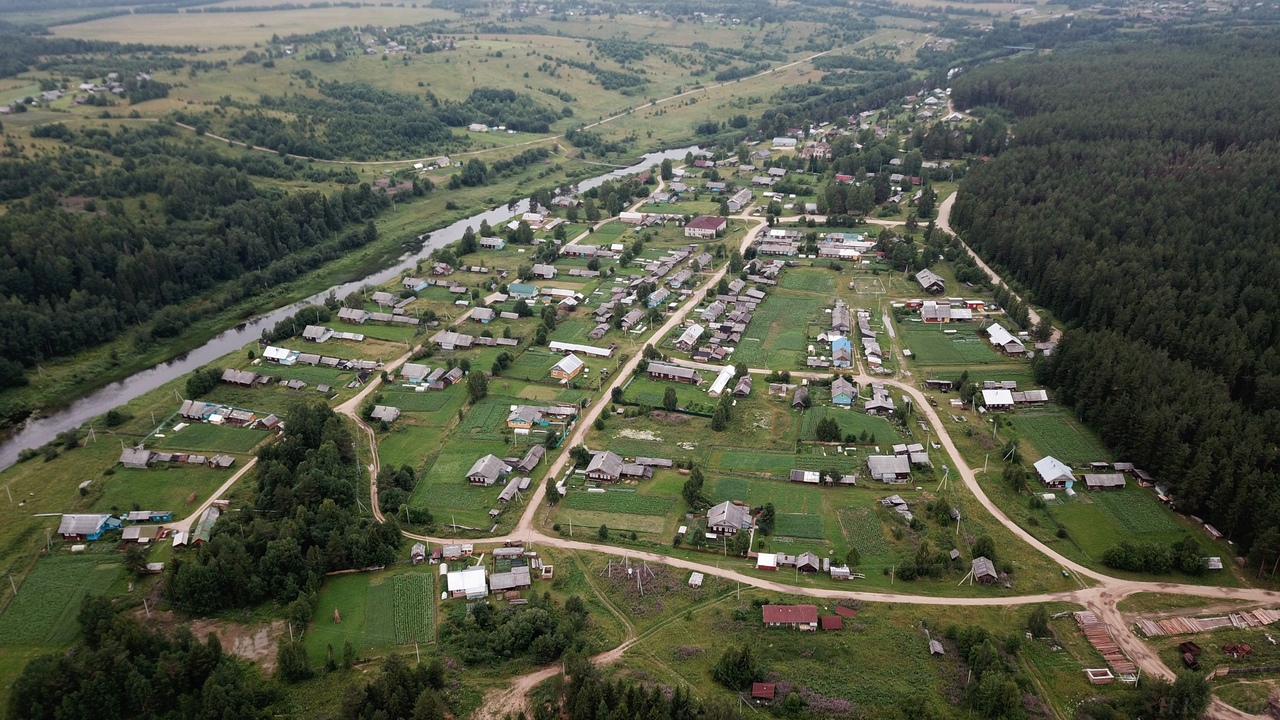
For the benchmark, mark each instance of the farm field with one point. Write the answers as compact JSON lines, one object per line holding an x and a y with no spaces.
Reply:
{"x":930,"y":346}
{"x":1053,"y":433}
{"x":44,"y":610}
{"x":619,"y":501}
{"x":379,"y":611}
{"x":852,"y":422}
{"x":210,"y":438}
{"x":775,"y":338}
{"x":158,"y":488}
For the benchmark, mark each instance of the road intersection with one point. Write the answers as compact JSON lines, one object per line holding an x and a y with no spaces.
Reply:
{"x":1102,"y":597}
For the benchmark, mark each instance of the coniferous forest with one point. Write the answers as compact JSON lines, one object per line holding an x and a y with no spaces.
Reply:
{"x":1138,"y":202}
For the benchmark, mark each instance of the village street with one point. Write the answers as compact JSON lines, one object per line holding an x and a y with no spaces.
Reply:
{"x":1101,"y":597}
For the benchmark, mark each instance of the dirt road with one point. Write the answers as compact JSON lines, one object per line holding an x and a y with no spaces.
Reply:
{"x":944,"y":223}
{"x":1102,"y":597}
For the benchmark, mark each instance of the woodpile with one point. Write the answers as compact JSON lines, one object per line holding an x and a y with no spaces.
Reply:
{"x":1189,"y":626}
{"x":1100,"y":637}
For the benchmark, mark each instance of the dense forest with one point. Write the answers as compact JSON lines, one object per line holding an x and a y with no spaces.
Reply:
{"x":1140,"y":206}
{"x":121,"y":669}
{"x":361,"y":122}
{"x":303,"y":522}
{"x":157,"y":233}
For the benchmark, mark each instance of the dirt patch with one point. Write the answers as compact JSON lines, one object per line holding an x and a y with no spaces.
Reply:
{"x":675,"y":418}
{"x":256,"y":642}
{"x":639,"y":435}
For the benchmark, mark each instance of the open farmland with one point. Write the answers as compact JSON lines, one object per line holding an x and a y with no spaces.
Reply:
{"x":425,"y":401}
{"x":1052,"y":433}
{"x":801,"y":525}
{"x":931,"y":346}
{"x":210,"y":438}
{"x":619,"y":501}
{"x":862,"y":530}
{"x":45,"y":608}
{"x":378,"y":612}
{"x":1137,"y":511}
{"x":775,"y":338}
{"x":852,"y":422}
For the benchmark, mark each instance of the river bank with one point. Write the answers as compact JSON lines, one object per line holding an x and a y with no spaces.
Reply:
{"x":94,"y":395}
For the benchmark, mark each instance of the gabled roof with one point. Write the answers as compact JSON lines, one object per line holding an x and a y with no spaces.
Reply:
{"x":841,"y":386}
{"x":928,"y":278}
{"x":82,"y":524}
{"x":982,"y":567}
{"x":1051,"y":469}
{"x":802,"y":614}
{"x":997,"y":398}
{"x":605,"y":462}
{"x":569,"y":365}
{"x":727,"y":514}
{"x":489,"y":467}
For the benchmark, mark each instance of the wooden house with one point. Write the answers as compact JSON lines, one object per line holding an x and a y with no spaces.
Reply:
{"x":799,"y":617}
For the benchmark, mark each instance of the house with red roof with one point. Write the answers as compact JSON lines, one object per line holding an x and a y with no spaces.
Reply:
{"x":800,"y":617}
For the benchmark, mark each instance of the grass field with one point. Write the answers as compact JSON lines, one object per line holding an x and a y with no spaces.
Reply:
{"x":852,"y":422}
{"x":862,"y":529}
{"x":801,"y":525}
{"x":813,"y":280}
{"x":426,"y":401}
{"x":618,"y":501}
{"x":1054,"y":434}
{"x":379,"y":611}
{"x":1136,"y":511}
{"x":44,"y":611}
{"x":775,"y":338}
{"x":211,"y":438}
{"x":409,"y":444}
{"x":643,"y":391}
{"x":158,"y":488}
{"x":931,"y":346}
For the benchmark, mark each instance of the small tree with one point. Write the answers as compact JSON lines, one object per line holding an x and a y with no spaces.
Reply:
{"x":853,"y":558}
{"x":736,"y":669}
{"x":292,"y":664}
{"x":603,"y":532}
{"x":477,"y":386}
{"x":669,"y":400}
{"x":984,"y":546}
{"x":1038,"y":622}
{"x":135,"y":560}
{"x":766,"y":519}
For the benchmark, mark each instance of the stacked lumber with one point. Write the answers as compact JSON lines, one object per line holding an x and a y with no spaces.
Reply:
{"x":1100,"y":637}
{"x":1189,"y":626}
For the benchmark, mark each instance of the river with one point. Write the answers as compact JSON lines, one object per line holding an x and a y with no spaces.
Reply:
{"x":38,"y":431}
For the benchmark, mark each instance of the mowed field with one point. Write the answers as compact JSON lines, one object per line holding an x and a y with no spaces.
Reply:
{"x":932,"y":346}
{"x":210,"y":438}
{"x":1055,"y":433}
{"x":44,"y":611}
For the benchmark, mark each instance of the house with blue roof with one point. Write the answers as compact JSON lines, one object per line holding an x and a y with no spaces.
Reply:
{"x":841,"y":352}
{"x":522,"y":291}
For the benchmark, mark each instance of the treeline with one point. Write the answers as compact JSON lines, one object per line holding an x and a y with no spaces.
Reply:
{"x":74,"y":280}
{"x":588,"y":695}
{"x":515,"y":111}
{"x":301,"y":523}
{"x":18,"y":53}
{"x":121,"y":669}
{"x":1140,"y":207}
{"x":481,"y":634}
{"x":361,"y":122}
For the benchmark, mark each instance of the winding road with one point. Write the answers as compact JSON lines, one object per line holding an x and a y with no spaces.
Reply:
{"x":1102,"y":597}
